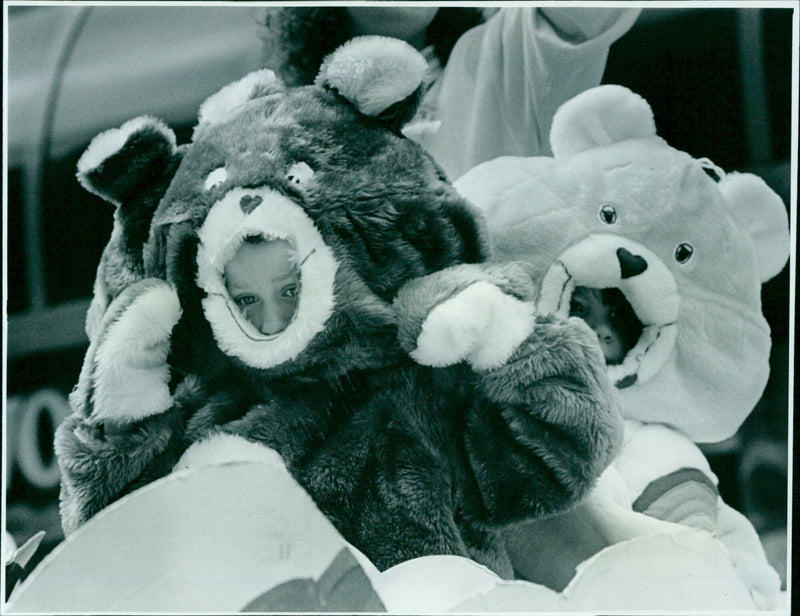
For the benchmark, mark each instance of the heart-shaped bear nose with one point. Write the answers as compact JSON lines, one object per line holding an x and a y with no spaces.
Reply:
{"x":630,"y":265}
{"x":249,"y":202}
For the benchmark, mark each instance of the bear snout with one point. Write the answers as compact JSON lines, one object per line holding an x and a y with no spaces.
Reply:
{"x":630,"y":265}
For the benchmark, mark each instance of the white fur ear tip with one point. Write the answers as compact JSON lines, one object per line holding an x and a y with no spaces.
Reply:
{"x":255,"y":84}
{"x":600,"y":116}
{"x":373,"y":72}
{"x":109,"y":142}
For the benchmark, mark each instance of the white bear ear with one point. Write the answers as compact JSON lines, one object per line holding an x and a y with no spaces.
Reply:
{"x":374,"y":73}
{"x":253,"y":85}
{"x":600,"y":116}
{"x":760,"y":212}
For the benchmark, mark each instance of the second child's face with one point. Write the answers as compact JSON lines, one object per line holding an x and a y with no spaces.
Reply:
{"x":264,"y":282}
{"x":608,"y":319}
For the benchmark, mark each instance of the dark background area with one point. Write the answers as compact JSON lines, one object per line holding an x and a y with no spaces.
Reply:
{"x":719,"y":82}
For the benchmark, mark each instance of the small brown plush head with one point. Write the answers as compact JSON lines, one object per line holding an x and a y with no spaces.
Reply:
{"x":325,"y":169}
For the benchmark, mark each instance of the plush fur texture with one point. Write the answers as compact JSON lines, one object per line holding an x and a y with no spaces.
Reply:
{"x":124,"y":375}
{"x":617,"y":207}
{"x":130,"y":167}
{"x":705,"y":248}
{"x":406,"y":459}
{"x":477,"y":313}
{"x":387,"y":72}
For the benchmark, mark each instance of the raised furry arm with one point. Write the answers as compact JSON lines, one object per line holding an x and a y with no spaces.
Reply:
{"x":544,"y":422}
{"x":544,"y":425}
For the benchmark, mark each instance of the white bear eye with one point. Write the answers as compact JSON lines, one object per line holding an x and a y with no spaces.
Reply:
{"x":683,"y":252}
{"x":299,"y":173}
{"x":608,"y":214}
{"x":215,"y":178}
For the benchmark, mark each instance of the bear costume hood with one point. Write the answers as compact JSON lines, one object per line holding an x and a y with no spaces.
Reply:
{"x":414,"y":394}
{"x":363,"y":210}
{"x":688,"y":245}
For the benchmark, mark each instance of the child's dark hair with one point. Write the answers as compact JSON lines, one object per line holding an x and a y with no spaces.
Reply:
{"x":297,"y":39}
{"x":447,"y":26}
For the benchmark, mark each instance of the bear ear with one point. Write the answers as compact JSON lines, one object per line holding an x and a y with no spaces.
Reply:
{"x":253,"y":85}
{"x":760,"y":213}
{"x":131,"y":167}
{"x":122,"y":163}
{"x":600,"y":116}
{"x":381,"y":77}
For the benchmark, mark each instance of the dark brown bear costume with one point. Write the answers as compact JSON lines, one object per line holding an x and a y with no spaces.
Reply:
{"x":413,"y":395}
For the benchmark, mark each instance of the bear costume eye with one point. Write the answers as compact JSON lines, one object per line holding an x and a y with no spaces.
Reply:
{"x":299,"y":173}
{"x":683,"y":252}
{"x":608,"y":214}
{"x":215,"y":178}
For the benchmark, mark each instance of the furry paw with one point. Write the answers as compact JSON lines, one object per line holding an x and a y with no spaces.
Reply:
{"x":125,"y":376}
{"x":480,"y":324}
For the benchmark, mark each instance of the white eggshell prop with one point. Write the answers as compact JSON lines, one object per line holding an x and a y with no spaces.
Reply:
{"x":213,"y":538}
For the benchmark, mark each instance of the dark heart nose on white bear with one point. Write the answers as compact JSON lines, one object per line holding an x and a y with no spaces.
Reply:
{"x":608,"y":261}
{"x":630,"y":265}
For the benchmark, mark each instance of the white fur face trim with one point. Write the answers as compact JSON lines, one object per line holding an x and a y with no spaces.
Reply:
{"x":276,"y":216}
{"x":653,"y":295}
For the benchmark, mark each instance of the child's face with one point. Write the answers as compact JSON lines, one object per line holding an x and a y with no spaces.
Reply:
{"x":610,"y":316}
{"x":263,"y":280}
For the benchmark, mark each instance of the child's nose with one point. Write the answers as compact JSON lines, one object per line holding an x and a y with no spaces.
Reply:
{"x":598,"y":321}
{"x":269,"y":319}
{"x":603,"y":330}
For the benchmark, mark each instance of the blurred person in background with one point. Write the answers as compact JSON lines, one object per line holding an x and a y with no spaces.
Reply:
{"x":496,"y":76}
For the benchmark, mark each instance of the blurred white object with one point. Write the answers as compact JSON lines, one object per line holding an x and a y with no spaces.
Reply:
{"x":235,"y":530}
{"x":125,"y":61}
{"x":15,"y":563}
{"x":211,"y":538}
{"x":9,"y":546}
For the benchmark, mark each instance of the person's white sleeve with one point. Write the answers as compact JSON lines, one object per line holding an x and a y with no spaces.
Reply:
{"x":738,"y":535}
{"x":506,"y":78}
{"x":598,"y":26}
{"x":667,"y":476}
